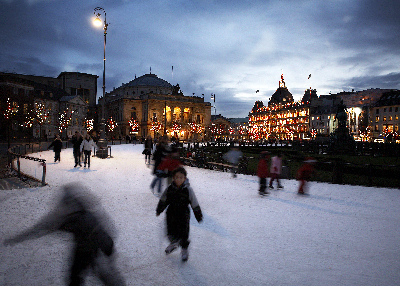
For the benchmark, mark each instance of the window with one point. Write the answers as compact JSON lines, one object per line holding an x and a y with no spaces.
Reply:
{"x":396,"y":117}
{"x":377,"y":118}
{"x":376,"y":127}
{"x":133,"y":115}
{"x":396,"y":109}
{"x":390,"y":109}
{"x":384,"y":110}
{"x":390,"y":118}
{"x":377,"y":111}
{"x":384,"y":118}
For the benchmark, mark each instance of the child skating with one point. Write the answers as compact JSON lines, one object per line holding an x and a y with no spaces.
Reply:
{"x":177,"y":198}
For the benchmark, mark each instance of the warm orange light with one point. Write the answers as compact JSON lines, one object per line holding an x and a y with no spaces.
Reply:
{"x":97,"y":22}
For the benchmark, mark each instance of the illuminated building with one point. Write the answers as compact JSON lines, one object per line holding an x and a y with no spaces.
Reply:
{"x":158,"y":108}
{"x":282,"y":119}
{"x":384,"y":119}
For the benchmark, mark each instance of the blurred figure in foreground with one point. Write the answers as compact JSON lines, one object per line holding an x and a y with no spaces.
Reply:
{"x":304,"y":174}
{"x":78,"y":212}
{"x":177,"y":198}
{"x":262,"y":172}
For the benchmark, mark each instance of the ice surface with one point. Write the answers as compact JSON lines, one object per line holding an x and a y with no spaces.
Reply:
{"x":339,"y":235}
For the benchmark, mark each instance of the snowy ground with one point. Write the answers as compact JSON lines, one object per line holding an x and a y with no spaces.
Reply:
{"x":339,"y":235}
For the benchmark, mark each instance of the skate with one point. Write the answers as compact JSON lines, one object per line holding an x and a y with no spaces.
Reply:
{"x":185,"y":254}
{"x":280,"y":187}
{"x":170,"y":248}
{"x":271,"y":187}
{"x":263,"y":193}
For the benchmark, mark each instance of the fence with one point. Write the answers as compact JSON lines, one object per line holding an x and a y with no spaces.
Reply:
{"x":15,"y":153}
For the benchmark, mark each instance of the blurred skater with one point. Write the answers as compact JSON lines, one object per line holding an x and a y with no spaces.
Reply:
{"x":76,"y":145}
{"x":233,"y":157}
{"x":86,"y":148}
{"x":177,"y":198}
{"x":276,"y":170}
{"x":158,"y":155}
{"x":57,"y":146}
{"x":262,"y":172}
{"x":304,"y":174}
{"x":148,"y":147}
{"x":78,"y":212}
{"x":165,"y":169}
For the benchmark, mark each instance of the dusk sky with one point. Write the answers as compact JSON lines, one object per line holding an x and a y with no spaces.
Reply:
{"x":230,"y":48}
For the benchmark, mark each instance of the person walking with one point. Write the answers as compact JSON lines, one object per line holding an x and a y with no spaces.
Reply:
{"x":76,"y":145}
{"x":262,"y":172}
{"x":148,"y":147}
{"x":176,"y":199}
{"x":86,"y":148}
{"x":78,"y":213}
{"x":304,"y":174}
{"x":57,"y":146}
{"x":276,"y":170}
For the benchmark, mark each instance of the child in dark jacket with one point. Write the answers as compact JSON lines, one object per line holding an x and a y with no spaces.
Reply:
{"x":177,"y":198}
{"x":57,"y":146}
{"x":262,"y":172}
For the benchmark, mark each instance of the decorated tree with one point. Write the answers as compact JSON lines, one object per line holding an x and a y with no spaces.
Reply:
{"x":134,"y":125}
{"x":65,"y":119}
{"x":10,"y":110}
{"x":40,"y":116}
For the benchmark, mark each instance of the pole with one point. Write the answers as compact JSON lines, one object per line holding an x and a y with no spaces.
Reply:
{"x":102,"y":143}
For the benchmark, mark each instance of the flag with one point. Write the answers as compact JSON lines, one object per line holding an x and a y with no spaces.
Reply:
{"x":309,"y":76}
{"x":257,"y":91}
{"x":172,"y":68}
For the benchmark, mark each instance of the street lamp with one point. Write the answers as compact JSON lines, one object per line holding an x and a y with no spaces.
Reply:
{"x":102,"y":143}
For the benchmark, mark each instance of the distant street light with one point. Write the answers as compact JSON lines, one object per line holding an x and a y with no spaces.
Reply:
{"x":102,"y":143}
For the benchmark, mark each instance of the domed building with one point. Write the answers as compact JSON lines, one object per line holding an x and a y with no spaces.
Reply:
{"x":282,"y":119}
{"x":282,"y":95}
{"x":149,"y":105}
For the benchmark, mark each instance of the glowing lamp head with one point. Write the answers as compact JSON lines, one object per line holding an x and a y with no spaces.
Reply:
{"x":97,"y":22}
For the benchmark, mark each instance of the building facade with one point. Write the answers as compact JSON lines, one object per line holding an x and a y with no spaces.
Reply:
{"x":281,"y":119}
{"x":36,"y":107}
{"x":149,"y":105}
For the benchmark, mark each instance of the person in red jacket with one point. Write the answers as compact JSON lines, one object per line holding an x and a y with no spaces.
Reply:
{"x":170,"y":163}
{"x":262,"y":172}
{"x":304,"y":174}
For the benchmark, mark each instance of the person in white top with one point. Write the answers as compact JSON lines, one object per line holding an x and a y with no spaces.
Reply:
{"x":276,"y":170}
{"x":86,"y":147}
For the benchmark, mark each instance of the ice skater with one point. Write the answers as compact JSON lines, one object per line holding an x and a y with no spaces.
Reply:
{"x":177,"y":198}
{"x":233,"y":156}
{"x":76,"y":143}
{"x":148,"y":147}
{"x":262,"y":172}
{"x":86,"y":148}
{"x":304,"y":174}
{"x":78,"y":213}
{"x":57,"y":146}
{"x":276,"y":170}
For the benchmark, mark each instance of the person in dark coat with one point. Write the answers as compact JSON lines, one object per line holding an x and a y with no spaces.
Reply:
{"x":57,"y":146}
{"x":176,"y":199}
{"x":148,"y":147}
{"x":78,"y":213}
{"x":160,"y":152}
{"x":76,"y":142}
{"x":262,"y":172}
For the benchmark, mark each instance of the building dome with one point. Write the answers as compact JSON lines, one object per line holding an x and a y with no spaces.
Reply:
{"x":150,"y":80}
{"x":281,"y":95}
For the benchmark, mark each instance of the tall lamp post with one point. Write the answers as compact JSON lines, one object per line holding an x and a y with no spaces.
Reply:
{"x":102,"y":143}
